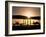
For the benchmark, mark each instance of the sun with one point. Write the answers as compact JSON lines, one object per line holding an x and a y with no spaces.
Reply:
{"x":28,"y":15}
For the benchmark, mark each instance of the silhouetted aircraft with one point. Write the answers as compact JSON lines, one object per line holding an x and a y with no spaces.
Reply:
{"x":24,"y":17}
{"x":19,"y":17}
{"x":35,"y":17}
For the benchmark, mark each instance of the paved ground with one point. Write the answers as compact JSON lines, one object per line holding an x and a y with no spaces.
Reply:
{"x":25,"y":27}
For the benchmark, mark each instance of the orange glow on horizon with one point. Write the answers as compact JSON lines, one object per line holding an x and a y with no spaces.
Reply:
{"x":28,"y":14}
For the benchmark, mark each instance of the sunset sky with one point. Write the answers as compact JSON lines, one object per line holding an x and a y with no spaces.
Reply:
{"x":26,"y":11}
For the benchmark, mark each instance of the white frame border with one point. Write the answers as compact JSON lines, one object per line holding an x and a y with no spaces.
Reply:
{"x":23,"y":5}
